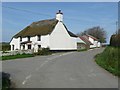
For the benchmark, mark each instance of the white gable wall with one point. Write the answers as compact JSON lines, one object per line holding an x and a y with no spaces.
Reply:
{"x":94,"y":42}
{"x":16,"y":43}
{"x":61,"y":40}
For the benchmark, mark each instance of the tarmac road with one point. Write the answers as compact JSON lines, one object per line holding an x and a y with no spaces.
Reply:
{"x":61,"y":70}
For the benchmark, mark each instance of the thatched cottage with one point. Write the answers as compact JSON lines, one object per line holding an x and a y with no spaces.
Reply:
{"x":50,"y":33}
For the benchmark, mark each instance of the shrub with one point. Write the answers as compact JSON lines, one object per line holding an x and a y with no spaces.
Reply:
{"x":6,"y":82}
{"x":44,"y":51}
{"x":5,"y":47}
{"x":115,"y":40}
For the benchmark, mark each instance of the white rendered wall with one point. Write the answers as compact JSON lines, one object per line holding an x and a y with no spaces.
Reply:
{"x":16,"y":43}
{"x":45,"y":41}
{"x":61,"y":40}
{"x":99,"y":44}
{"x":93,"y":42}
{"x":59,"y":17}
{"x":34,"y":45}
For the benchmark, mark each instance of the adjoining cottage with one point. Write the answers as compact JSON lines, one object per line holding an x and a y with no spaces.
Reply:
{"x":50,"y":33}
{"x":91,"y":42}
{"x":87,"y":42}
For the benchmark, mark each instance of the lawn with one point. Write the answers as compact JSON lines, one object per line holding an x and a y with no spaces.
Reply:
{"x":109,"y":59}
{"x":17,"y":56}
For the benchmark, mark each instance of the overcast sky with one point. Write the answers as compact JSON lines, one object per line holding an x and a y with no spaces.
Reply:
{"x":78,"y":16}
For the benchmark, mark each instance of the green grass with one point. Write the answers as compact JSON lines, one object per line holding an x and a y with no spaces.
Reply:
{"x":109,"y":59}
{"x":82,"y":50}
{"x":16,"y":56}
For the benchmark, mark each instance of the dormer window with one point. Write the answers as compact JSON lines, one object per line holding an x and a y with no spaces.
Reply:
{"x":39,"y":38}
{"x":28,"y":38}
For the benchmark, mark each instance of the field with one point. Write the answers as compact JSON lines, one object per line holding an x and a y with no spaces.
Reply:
{"x":4,"y":46}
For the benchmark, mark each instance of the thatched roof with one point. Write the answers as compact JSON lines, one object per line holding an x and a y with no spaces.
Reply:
{"x":43,"y":27}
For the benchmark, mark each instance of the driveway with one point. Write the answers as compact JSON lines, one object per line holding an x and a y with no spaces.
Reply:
{"x":62,"y":70}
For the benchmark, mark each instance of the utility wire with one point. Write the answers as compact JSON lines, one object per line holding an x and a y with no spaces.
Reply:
{"x":43,"y":14}
{"x":27,"y":11}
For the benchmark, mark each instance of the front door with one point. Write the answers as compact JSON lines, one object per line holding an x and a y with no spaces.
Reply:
{"x":29,"y":46}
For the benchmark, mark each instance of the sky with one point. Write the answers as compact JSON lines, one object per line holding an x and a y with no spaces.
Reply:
{"x":78,"y":16}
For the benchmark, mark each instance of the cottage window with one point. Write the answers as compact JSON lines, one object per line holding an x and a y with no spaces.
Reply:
{"x":39,"y":38}
{"x":12,"y":47}
{"x":20,"y":38}
{"x":39,"y":46}
{"x":28,"y":38}
{"x":23,"y":47}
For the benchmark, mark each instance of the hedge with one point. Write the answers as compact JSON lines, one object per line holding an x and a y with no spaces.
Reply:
{"x":115,"y":40}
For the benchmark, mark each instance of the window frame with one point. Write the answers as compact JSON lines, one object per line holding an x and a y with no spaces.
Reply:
{"x":20,"y":38}
{"x":38,"y":37}
{"x":28,"y":37}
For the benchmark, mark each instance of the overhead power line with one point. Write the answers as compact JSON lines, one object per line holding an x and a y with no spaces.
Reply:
{"x":27,"y":11}
{"x":43,"y":14}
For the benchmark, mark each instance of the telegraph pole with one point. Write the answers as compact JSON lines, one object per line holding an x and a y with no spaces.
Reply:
{"x":116,"y":27}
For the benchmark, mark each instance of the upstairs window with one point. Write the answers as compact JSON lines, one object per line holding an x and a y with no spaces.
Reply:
{"x":28,"y":38}
{"x":39,"y":38}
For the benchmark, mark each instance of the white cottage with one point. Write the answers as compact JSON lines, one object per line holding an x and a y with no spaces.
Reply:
{"x":93,"y":40}
{"x":50,"y":33}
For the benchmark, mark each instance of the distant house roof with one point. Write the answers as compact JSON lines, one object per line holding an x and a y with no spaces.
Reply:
{"x":43,"y":27}
{"x":92,"y":37}
{"x":85,"y":40}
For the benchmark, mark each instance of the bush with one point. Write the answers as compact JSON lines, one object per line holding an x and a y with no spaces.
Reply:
{"x":6,"y":82}
{"x":115,"y":40}
{"x":5,"y":47}
{"x":44,"y":51}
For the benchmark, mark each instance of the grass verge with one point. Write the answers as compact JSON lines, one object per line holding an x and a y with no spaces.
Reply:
{"x":82,"y":50}
{"x":16,"y":56}
{"x":109,"y":59}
